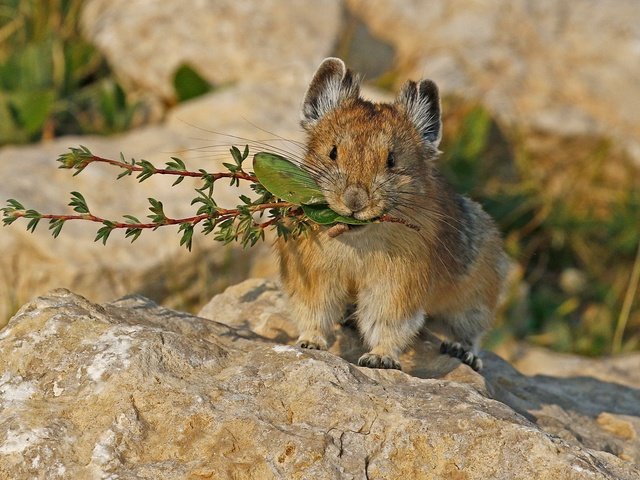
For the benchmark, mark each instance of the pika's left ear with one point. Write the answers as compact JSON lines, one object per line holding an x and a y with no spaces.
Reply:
{"x":421,"y":101}
{"x":331,"y":85}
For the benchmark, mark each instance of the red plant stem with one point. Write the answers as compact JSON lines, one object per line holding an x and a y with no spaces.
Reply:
{"x":163,"y":171}
{"x":220,"y":213}
{"x":389,"y":218}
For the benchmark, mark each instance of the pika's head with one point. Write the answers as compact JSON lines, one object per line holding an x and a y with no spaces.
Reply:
{"x":369,"y":158}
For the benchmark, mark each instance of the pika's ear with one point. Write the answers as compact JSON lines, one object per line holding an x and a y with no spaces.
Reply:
{"x":421,"y":101}
{"x":331,"y":85}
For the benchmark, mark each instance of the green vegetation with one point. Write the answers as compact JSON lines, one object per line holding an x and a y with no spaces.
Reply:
{"x":286,"y":194}
{"x":53,"y":82}
{"x":188,"y":84}
{"x":572,"y":225}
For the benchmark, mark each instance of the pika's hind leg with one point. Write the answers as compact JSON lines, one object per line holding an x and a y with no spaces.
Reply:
{"x":316,"y":312}
{"x":464,"y":331}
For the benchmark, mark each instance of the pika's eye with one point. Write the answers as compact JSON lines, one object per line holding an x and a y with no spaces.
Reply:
{"x":391,"y":160}
{"x":333,"y":154}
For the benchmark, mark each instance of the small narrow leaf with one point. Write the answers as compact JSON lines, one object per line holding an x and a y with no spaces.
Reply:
{"x":187,"y":235}
{"x":33,"y":223}
{"x":55,"y":225}
{"x":237,"y":156}
{"x":124,"y":174}
{"x":104,"y":232}
{"x":132,"y":219}
{"x":134,"y":233}
{"x":178,"y":180}
{"x":14,"y":204}
{"x":323,"y":215}
{"x":78,"y":203}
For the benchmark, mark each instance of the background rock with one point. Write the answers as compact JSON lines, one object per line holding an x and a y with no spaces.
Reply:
{"x":131,"y":389}
{"x":225,"y":41}
{"x":560,"y":67}
{"x":608,"y":389}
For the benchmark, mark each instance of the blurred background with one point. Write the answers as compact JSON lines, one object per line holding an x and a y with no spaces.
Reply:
{"x":541,"y":105}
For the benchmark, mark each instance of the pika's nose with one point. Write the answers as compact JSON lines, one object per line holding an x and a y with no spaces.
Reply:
{"x":355,"y":198}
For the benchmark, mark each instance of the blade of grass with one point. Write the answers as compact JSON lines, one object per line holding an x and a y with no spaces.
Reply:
{"x":632,"y":288}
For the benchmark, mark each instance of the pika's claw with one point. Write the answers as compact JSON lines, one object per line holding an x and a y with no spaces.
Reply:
{"x":466,"y":356}
{"x":308,"y":344}
{"x":372,"y":360}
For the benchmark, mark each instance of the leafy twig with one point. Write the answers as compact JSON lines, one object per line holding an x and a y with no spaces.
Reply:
{"x":236,"y":224}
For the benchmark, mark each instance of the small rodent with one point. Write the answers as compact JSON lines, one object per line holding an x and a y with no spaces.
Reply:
{"x":379,"y":158}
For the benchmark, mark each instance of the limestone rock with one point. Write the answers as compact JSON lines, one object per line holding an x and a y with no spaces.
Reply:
{"x":133,"y":390}
{"x":568,"y":68}
{"x":225,"y":41}
{"x":606,"y":417}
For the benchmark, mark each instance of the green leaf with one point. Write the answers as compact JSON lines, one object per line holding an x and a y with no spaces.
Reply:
{"x":133,"y":232}
{"x":189,"y":84}
{"x":33,"y":223}
{"x":104,"y":232}
{"x":27,"y":109}
{"x":187,"y":235}
{"x":237,"y":156}
{"x":14,"y":204}
{"x":132,"y":219}
{"x":157,"y":211}
{"x":178,"y":180}
{"x":147,"y":170}
{"x":55,"y":225}
{"x":323,"y":215}
{"x":286,"y":180}
{"x":78,"y":203}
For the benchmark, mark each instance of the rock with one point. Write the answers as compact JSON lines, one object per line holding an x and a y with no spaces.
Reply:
{"x":620,"y":369}
{"x":609,"y":395}
{"x":130,"y":389}
{"x":538,"y":66}
{"x":224,"y":41}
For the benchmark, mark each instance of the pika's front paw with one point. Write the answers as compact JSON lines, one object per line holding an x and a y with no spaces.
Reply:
{"x":372,"y":360}
{"x":465,"y":355}
{"x":315,"y":343}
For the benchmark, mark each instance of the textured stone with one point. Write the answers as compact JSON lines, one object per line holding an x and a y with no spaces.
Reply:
{"x":568,"y":68}
{"x":609,"y":389}
{"x":225,"y":41}
{"x":133,"y":390}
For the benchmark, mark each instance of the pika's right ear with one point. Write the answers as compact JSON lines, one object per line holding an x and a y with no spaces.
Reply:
{"x":421,"y":101}
{"x":332,"y":84}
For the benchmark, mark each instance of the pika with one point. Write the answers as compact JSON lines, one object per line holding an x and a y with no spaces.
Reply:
{"x":371,"y":159}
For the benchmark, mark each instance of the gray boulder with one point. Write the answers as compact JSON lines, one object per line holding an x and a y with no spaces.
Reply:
{"x":133,"y":390}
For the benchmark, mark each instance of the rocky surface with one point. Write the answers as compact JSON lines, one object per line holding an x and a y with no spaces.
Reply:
{"x":133,"y":390}
{"x":225,"y":41}
{"x":558,"y":67}
{"x":561,"y":67}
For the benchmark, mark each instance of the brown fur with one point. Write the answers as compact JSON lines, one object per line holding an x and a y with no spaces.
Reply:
{"x":451,"y":270}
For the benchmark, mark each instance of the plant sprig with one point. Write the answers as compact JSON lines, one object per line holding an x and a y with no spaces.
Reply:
{"x":246,"y":223}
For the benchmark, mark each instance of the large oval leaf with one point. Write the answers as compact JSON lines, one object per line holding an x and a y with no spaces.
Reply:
{"x":286,"y":180}
{"x":323,"y":215}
